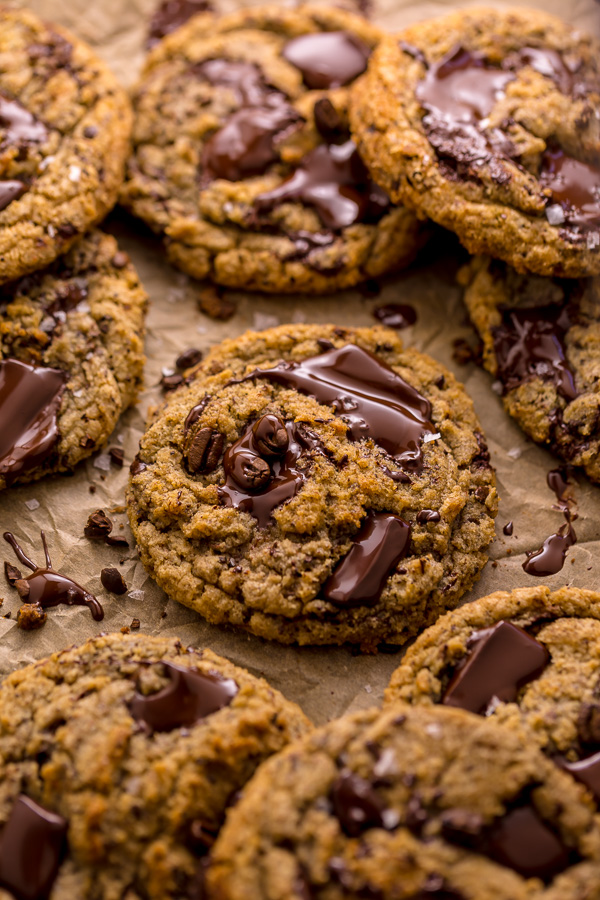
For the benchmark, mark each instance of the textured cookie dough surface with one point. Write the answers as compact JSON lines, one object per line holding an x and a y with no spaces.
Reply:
{"x":224,"y":118}
{"x":541,"y":339}
{"x":81,"y":323}
{"x":65,"y":126}
{"x":410,"y":804}
{"x":487,"y":122}
{"x":142,"y":804}
{"x":267,"y":573}
{"x":559,"y":706}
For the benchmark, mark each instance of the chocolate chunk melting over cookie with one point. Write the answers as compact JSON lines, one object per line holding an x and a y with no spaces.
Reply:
{"x":32,"y":844}
{"x":327,"y":59}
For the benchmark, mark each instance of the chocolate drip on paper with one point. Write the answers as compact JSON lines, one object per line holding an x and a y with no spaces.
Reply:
{"x":30,"y":397}
{"x":32,"y":844}
{"x":189,"y":697}
{"x":530,"y":344}
{"x":171,"y":15}
{"x":575,"y":188}
{"x":46,"y":587}
{"x":328,"y":59}
{"x":550,"y":558}
{"x":360,"y":577}
{"x":502,"y":660}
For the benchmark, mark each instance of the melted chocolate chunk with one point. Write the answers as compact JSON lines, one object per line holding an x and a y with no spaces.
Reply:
{"x":9,"y":191}
{"x":245,"y":145}
{"x":550,"y":558}
{"x":332,"y":179}
{"x":360,"y":577}
{"x":190,"y":697}
{"x":256,"y":486}
{"x":395,"y":315}
{"x":558,"y":482}
{"x":18,"y":125}
{"x":428,"y":515}
{"x":49,"y":588}
{"x":522,"y":841}
{"x":171,"y":15}
{"x":587,"y":771}
{"x":245,"y":80}
{"x":367,"y":394}
{"x":328,"y":59}
{"x":31,"y":848}
{"x":356,"y":805}
{"x":549,"y":63}
{"x":68,"y":296}
{"x":502,"y":661}
{"x":575,"y":187}
{"x":137,"y":466}
{"x":530,"y":343}
{"x":29,"y":401}
{"x":113,"y":581}
{"x":195,"y":413}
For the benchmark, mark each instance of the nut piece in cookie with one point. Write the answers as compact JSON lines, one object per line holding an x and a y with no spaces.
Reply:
{"x":314,"y":484}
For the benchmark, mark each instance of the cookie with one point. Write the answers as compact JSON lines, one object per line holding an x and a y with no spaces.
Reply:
{"x":315,"y":484}
{"x":486,"y":121}
{"x":71,"y":358}
{"x":118,"y":761}
{"x":411,"y":804}
{"x":540,"y":340}
{"x":528,"y":658}
{"x":242,"y":155}
{"x":64,"y":136}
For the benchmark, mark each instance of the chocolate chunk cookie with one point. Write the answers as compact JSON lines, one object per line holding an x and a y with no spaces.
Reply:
{"x":411,"y":804}
{"x":118,"y":761}
{"x":315,"y":484}
{"x":71,"y":358}
{"x":540,"y":339}
{"x":528,"y":658}
{"x":243,"y":159}
{"x":64,"y":136}
{"x":487,"y":122}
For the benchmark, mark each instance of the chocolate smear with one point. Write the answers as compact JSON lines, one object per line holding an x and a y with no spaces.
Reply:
{"x":356,"y":805}
{"x":529,"y":343}
{"x":328,"y":59}
{"x":575,"y":187}
{"x":501,"y":662}
{"x":368,"y":396}
{"x":395,"y":315}
{"x":170,"y":15}
{"x":332,"y":179}
{"x":32,"y":844}
{"x":189,"y":697}
{"x":360,"y":577}
{"x":49,"y":588}
{"x":30,"y":398}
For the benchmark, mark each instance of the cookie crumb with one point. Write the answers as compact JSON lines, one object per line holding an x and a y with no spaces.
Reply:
{"x":31,"y":616}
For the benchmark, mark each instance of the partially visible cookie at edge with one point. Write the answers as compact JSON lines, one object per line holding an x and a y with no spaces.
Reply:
{"x":119,"y":759}
{"x":357,"y":514}
{"x":541,"y":340}
{"x":71,"y":358}
{"x":65,"y":127}
{"x":486,"y":121}
{"x":409,"y":804}
{"x":242,"y":156}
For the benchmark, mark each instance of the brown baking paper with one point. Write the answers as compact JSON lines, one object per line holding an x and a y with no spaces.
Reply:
{"x":325,"y":681}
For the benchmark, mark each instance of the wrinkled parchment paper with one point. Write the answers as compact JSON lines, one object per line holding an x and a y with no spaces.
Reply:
{"x":325,"y":681}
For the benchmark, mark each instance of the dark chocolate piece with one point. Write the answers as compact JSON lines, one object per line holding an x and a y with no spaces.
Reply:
{"x":508,"y":529}
{"x":575,"y":187}
{"x":9,"y":191}
{"x":328,"y":122}
{"x":244,"y":79}
{"x":188,"y":359}
{"x":588,"y":726}
{"x":424,"y":516}
{"x":171,"y":381}
{"x":50,"y":588}
{"x":189,"y":697}
{"x":530,"y":343}
{"x":522,"y":841}
{"x":117,"y":456}
{"x":395,"y":315}
{"x":587,"y":771}
{"x":328,"y":59}
{"x":360,"y":577}
{"x":137,"y":466}
{"x":30,"y":397}
{"x":366,"y":393}
{"x":195,"y":413}
{"x":171,"y":14}
{"x":333,"y":179}
{"x":18,"y":125}
{"x":32,"y":844}
{"x":113,"y":581}
{"x":356,"y":805}
{"x":99,"y":527}
{"x":501,"y":662}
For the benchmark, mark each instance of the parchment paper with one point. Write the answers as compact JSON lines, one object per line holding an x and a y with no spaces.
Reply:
{"x":325,"y":681}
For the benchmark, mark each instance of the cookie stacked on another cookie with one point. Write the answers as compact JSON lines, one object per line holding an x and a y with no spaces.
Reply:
{"x":487,"y":122}
{"x":118,"y":761}
{"x":243,"y":159}
{"x":315,"y":484}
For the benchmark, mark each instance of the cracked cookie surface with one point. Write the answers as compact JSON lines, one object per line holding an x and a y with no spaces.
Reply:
{"x":119,"y":759}
{"x":410,"y":804}
{"x":65,"y":125}
{"x":243,"y":159}
{"x":356,"y":515}
{"x":487,"y":122}
{"x":71,"y":358}
{"x":541,"y":340}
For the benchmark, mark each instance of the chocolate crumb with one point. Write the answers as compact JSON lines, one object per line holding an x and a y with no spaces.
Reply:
{"x":12,"y":573}
{"x":92,"y":489}
{"x":188,"y":359}
{"x":98,"y":526}
{"x":172,"y":381}
{"x":31,"y":616}
{"x":212,"y":303}
{"x":117,"y":456}
{"x":113,"y":581}
{"x":135,"y":623}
